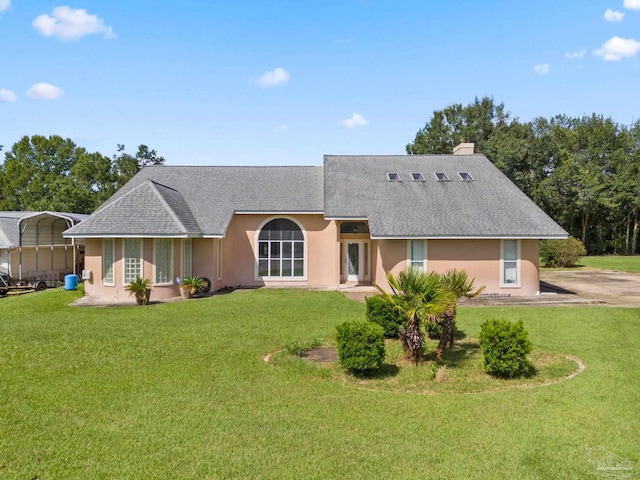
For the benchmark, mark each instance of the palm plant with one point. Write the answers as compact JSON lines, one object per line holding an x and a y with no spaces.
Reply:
{"x":421,"y":297}
{"x":460,"y":285}
{"x":140,"y":289}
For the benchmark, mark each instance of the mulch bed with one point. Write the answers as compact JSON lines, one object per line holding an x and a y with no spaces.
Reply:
{"x":320,"y":355}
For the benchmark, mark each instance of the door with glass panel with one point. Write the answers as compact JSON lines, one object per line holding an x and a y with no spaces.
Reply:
{"x":353,"y":259}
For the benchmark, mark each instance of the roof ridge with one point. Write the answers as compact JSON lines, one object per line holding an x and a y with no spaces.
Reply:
{"x":166,"y":203}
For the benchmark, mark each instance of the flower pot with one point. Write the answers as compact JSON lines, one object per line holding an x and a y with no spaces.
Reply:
{"x":142,"y":298}
{"x":185,"y":293}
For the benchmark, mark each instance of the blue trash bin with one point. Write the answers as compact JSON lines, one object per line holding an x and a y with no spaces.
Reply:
{"x":70,"y":282}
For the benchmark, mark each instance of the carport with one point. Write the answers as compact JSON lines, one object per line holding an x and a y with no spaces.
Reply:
{"x":32,"y":245}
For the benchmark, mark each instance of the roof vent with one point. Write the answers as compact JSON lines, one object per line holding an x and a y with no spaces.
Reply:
{"x":464,"y":149}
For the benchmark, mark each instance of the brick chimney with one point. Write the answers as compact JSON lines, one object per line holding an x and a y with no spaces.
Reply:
{"x":464,"y":149}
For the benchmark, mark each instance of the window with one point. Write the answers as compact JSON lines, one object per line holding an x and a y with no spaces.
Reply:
{"x":465,"y":176}
{"x":107,"y":262}
{"x":393,"y":177}
{"x":510,"y":263}
{"x":281,"y":250}
{"x":186,"y":258}
{"x":132,"y":259}
{"x":417,"y":257}
{"x":163,"y":261}
{"x":442,"y":177}
{"x":417,"y":177}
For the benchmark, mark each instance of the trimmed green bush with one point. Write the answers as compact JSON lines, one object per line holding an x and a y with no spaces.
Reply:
{"x":379,"y":311}
{"x":504,"y":348}
{"x":433,"y":329}
{"x":360,"y":346}
{"x":561,"y":253}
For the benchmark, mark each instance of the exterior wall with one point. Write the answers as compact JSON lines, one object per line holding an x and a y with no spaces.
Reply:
{"x":239,"y":252}
{"x":479,"y":258}
{"x":387,"y":256}
{"x":239,"y":266}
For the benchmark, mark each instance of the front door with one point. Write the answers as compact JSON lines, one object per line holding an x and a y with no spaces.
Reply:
{"x":353,"y":254}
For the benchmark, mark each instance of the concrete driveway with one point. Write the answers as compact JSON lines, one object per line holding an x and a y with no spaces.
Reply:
{"x":609,"y":286}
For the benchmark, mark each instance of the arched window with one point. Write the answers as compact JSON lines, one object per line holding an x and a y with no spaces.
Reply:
{"x":281,"y":250}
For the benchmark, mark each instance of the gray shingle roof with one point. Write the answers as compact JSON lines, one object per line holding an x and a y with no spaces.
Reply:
{"x":200,"y":201}
{"x":489,"y":206}
{"x":211,"y":195}
{"x":148,"y":209}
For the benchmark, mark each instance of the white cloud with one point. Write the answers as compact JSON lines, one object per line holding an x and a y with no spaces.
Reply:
{"x":44,"y":91}
{"x":4,"y":5}
{"x":631,"y":4}
{"x":7,"y":96}
{"x":614,"y":49}
{"x":613,"y":15}
{"x":574,"y":55}
{"x":67,"y":23}
{"x":274,"y":78}
{"x":356,"y":120}
{"x":542,"y":68}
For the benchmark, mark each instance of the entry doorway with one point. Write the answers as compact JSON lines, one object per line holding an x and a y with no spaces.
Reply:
{"x":356,"y":259}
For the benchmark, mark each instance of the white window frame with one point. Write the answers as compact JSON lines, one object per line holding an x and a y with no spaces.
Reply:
{"x":156,"y":243}
{"x":186,"y":254}
{"x":503,"y":263}
{"x":305,"y":254}
{"x":412,"y":262}
{"x":110,"y":280}
{"x":138,"y":258}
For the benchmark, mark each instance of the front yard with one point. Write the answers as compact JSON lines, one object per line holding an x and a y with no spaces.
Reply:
{"x":181,"y":391}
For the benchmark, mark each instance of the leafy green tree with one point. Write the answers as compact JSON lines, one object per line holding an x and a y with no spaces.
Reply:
{"x":53,"y":173}
{"x":126,"y":166}
{"x":456,"y":123}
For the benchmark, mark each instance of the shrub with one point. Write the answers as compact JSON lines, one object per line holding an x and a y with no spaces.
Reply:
{"x":504,"y":348}
{"x":561,"y":253}
{"x":433,"y":329}
{"x":360,"y":346}
{"x":384,"y":314}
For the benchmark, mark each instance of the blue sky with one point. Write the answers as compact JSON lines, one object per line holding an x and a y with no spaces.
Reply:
{"x":284,"y":82}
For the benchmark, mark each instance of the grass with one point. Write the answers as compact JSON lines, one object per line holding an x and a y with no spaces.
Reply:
{"x":181,"y":391}
{"x":613,"y":262}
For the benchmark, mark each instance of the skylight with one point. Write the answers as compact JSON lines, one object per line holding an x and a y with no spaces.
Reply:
{"x":417,"y":177}
{"x":465,"y":176}
{"x":441,"y":176}
{"x":393,"y":177}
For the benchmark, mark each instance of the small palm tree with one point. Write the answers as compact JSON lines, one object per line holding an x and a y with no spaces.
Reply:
{"x":459,"y":284}
{"x":421,"y":297}
{"x":140,"y":289}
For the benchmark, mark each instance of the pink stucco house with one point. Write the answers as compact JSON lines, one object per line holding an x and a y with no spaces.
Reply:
{"x":347,"y":222}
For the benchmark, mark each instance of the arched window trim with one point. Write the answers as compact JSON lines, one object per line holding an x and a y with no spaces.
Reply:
{"x":257,"y":240}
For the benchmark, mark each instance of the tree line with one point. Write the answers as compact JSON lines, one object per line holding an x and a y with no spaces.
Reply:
{"x":584,"y":172}
{"x":53,"y":173}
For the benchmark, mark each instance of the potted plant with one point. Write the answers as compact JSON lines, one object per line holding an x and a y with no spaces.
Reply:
{"x":140,"y":289}
{"x":189,"y":286}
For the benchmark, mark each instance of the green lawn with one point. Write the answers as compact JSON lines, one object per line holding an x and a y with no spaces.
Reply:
{"x":613,"y":262}
{"x":181,"y":391}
